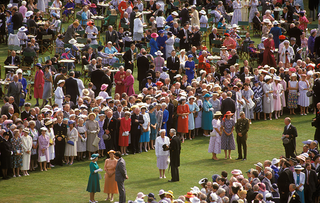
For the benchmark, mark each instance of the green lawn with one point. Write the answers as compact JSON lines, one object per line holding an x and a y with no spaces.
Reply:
{"x":68,"y":183}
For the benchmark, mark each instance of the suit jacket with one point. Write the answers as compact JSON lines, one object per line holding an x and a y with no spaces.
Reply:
{"x":131,"y":19}
{"x":143,"y":67}
{"x":107,"y":80}
{"x":294,"y":198}
{"x":292,"y":132}
{"x":233,"y":59}
{"x":121,"y":171}
{"x":72,"y":88}
{"x":5,"y":109}
{"x":112,"y":126}
{"x":173,"y":65}
{"x":114,"y":38}
{"x":128,"y":57}
{"x":96,"y":78}
{"x":312,"y":181}
{"x":15,"y":90}
{"x":16,"y":61}
{"x":69,"y":34}
{"x":284,"y":180}
{"x":17,"y":19}
{"x":175,"y":31}
{"x":195,"y":39}
{"x":134,"y":125}
{"x":228,"y":104}
{"x":243,"y":77}
{"x":251,"y":195}
{"x":26,"y":115}
{"x":184,"y":43}
{"x":175,"y":149}
{"x":256,"y":23}
{"x":184,"y":15}
{"x":60,"y":131}
{"x":85,"y":61}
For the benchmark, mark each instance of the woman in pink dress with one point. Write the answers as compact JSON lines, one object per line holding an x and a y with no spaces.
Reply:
{"x":158,"y":61}
{"x":128,"y":83}
{"x":125,"y":127}
{"x":43,"y":150}
{"x":38,"y":83}
{"x":277,"y":92}
{"x":303,"y":21}
{"x":118,"y":79}
{"x":268,"y":54}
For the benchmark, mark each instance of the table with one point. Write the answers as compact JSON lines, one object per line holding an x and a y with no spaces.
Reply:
{"x":31,"y":36}
{"x":114,"y":70}
{"x":103,"y":5}
{"x":40,"y":22}
{"x":10,"y":67}
{"x":79,"y":45}
{"x":98,"y":18}
{"x":5,"y":84}
{"x":66,"y":61}
{"x":54,"y":8}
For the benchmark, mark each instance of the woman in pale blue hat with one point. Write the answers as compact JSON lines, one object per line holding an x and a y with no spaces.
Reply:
{"x":93,"y":183}
{"x":207,"y":115}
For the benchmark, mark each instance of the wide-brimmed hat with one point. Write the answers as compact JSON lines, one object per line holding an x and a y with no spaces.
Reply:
{"x":169,"y":193}
{"x":61,"y":81}
{"x":94,"y":156}
{"x":140,"y":195}
{"x":138,"y":14}
{"x":154,"y":35}
{"x":93,"y":6}
{"x":161,"y":31}
{"x":194,"y":200}
{"x":218,"y":113}
{"x":158,"y":53}
{"x":43,"y":129}
{"x":189,"y":195}
{"x":164,"y":68}
{"x":298,"y":168}
{"x":190,"y":56}
{"x":275,"y":161}
{"x":92,"y":114}
{"x":49,"y":122}
{"x":293,"y":75}
{"x":177,"y":76}
{"x":277,"y":78}
{"x":26,"y":130}
{"x":203,"y":181}
{"x":175,"y":13}
{"x":259,"y":164}
{"x":236,"y":172}
{"x":206,"y":95}
{"x":229,"y":113}
{"x":29,"y":13}
{"x":104,"y":86}
{"x":262,"y":187}
{"x":111,"y":151}
{"x":23,"y":29}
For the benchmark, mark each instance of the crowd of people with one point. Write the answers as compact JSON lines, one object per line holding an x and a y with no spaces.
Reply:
{"x":182,"y":91}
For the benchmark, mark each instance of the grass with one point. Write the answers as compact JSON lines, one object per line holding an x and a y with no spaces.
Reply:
{"x":68,"y":183}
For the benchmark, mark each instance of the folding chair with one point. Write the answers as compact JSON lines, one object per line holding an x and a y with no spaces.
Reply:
{"x":47,"y":43}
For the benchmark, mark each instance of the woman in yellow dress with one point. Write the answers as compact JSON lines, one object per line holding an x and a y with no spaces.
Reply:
{"x":110,"y":185}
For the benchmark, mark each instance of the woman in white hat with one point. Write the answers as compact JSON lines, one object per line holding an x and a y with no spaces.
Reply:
{"x":287,"y":53}
{"x":162,"y":156}
{"x":193,"y":107}
{"x":145,"y":128}
{"x":293,"y":87}
{"x":183,"y":58}
{"x":299,"y":180}
{"x":22,"y":35}
{"x":71,"y":145}
{"x":43,"y":149}
{"x":158,"y":61}
{"x":138,"y":27}
{"x":278,"y":91}
{"x":58,"y":94}
{"x":268,"y":97}
{"x":215,"y":136}
{"x":203,"y":19}
{"x":303,"y":100}
{"x":26,"y":149}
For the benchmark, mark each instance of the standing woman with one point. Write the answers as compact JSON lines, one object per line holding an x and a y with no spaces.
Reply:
{"x":183,"y":114}
{"x":293,"y":87}
{"x":110,"y":185}
{"x":16,"y":158}
{"x":159,"y":116}
{"x":198,"y":116}
{"x":207,"y":115}
{"x":299,"y":180}
{"x":51,"y":136}
{"x":278,"y":91}
{"x":102,"y":145}
{"x":268,"y":97}
{"x":193,"y":107}
{"x":227,"y":139}
{"x":153,"y":125}
{"x":268,"y":56}
{"x":93,"y":183}
{"x":145,"y":136}
{"x":82,"y":139}
{"x":303,"y":100}
{"x":215,"y":102}
{"x":169,"y":44}
{"x":190,"y":66}
{"x":47,"y":88}
{"x":236,"y":12}
{"x":58,"y":94}
{"x":71,"y":146}
{"x":92,"y":131}
{"x":162,"y":156}
{"x":244,"y":10}
{"x":247,"y":95}
{"x":215,"y":136}
{"x":43,"y":150}
{"x":165,"y":116}
{"x":125,"y":127}
{"x":153,"y":44}
{"x":26,"y":150}
{"x":138,"y":27}
{"x":158,"y":61}
{"x":38,"y":83}
{"x":253,"y":4}
{"x":92,"y":32}
{"x":34,"y":134}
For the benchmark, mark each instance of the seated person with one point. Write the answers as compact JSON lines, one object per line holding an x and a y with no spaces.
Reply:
{"x":34,"y":44}
{"x":252,"y":50}
{"x":106,"y":58}
{"x":257,"y":25}
{"x":59,"y":44}
{"x":111,"y":50}
{"x":233,"y":59}
{"x":28,"y":49}
{"x":12,"y":60}
{"x":9,"y":76}
{"x":69,"y":7}
{"x":92,"y":66}
{"x":125,"y":20}
{"x":67,"y":55}
{"x":86,"y":59}
{"x":32,"y":26}
{"x":229,"y":42}
{"x":22,"y":35}
{"x":38,"y":17}
{"x":55,"y":22}
{"x":87,"y":45}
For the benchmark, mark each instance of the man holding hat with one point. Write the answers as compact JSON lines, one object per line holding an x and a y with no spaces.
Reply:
{"x":289,"y":138}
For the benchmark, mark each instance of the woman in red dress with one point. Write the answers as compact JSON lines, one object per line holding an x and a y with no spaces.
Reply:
{"x":125,"y":127}
{"x":268,"y":54}
{"x":183,"y":114}
{"x":118,"y":79}
{"x":38,"y":84}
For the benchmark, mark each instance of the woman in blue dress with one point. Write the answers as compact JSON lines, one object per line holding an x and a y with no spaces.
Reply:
{"x":161,"y":41}
{"x":153,"y":125}
{"x":68,"y":8}
{"x":102,"y":145}
{"x":24,"y":86}
{"x":193,"y":108}
{"x":111,"y":50}
{"x":190,"y":66}
{"x":9,"y":22}
{"x":165,"y":116}
{"x":207,"y":115}
{"x":257,"y":99}
{"x":93,"y":183}
{"x":227,"y":139}
{"x":153,"y":44}
{"x":215,"y":102}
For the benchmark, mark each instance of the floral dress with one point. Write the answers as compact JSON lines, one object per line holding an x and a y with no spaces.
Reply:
{"x":215,"y":141}
{"x":16,"y":160}
{"x":227,"y":142}
{"x":292,"y":96}
{"x":34,"y":135}
{"x":82,"y":145}
{"x":102,"y":146}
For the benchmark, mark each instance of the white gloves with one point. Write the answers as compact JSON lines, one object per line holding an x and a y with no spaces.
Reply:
{"x":83,"y":139}
{"x":211,"y":109}
{"x":93,"y":131}
{"x":98,"y":170}
{"x":11,"y":152}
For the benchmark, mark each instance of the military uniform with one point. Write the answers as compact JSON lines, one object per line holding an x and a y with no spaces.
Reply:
{"x":26,"y":115}
{"x":242,"y":126}
{"x":60,"y":130}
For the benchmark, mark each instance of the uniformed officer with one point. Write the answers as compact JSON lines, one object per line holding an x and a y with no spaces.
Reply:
{"x":60,"y":132}
{"x":26,"y":114}
{"x":6,"y":152}
{"x":242,"y":127}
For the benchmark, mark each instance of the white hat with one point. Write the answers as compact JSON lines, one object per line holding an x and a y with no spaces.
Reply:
{"x":286,"y":70}
{"x":18,"y":71}
{"x":194,"y":200}
{"x":203,"y":12}
{"x":158,"y":53}
{"x":310,"y":73}
{"x":182,"y":98}
{"x":9,"y":6}
{"x":263,"y":38}
{"x":29,"y":13}
{"x":138,"y":14}
{"x":99,"y":97}
{"x":275,"y":22}
{"x":182,"y":50}
{"x":299,"y":49}
{"x":195,"y":190}
{"x":43,"y":129}
{"x":105,"y":108}
{"x":277,"y":78}
{"x":140,"y":195}
{"x":266,"y":66}
{"x":267,"y":77}
{"x":177,"y":76}
{"x":275,"y":161}
{"x":234,"y":26}
{"x":161,"y":192}
{"x":72,"y":41}
{"x":24,"y":3}
{"x":202,"y":71}
{"x":266,"y":20}
{"x":272,"y":68}
{"x":293,"y":75}
{"x":214,"y":196}
{"x":61,"y":81}
{"x":192,"y":97}
{"x":175,"y":13}
{"x":23,"y":29}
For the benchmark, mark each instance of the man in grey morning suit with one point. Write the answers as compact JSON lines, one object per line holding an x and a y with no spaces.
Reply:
{"x":120,"y":176}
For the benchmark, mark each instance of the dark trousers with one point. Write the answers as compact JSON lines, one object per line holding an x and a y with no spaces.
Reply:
{"x":59,"y":149}
{"x":122,"y":192}
{"x":242,"y":142}
{"x":174,"y":173}
{"x":308,"y":194}
{"x":135,"y":137}
{"x":289,"y":149}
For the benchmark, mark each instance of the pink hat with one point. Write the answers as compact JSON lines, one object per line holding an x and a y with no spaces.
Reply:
{"x":104,"y":86}
{"x":154,"y":35}
{"x":262,"y":187}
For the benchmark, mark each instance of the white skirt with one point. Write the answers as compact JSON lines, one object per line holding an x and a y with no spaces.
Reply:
{"x":215,"y":144}
{"x":162,"y":162}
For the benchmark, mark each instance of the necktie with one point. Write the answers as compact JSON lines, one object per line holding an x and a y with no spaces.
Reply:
{"x":172,"y":59}
{"x":89,"y":57}
{"x":12,"y":60}
{"x":308,"y":174}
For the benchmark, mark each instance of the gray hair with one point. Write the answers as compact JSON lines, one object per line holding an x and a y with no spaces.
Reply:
{"x":121,"y":67}
{"x":32,"y":122}
{"x":220,"y":191}
{"x":173,"y":131}
{"x":129,"y":71}
{"x":13,"y":126}
{"x":225,"y":199}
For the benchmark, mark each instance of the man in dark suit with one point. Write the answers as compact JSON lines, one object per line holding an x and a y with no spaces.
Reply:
{"x":26,"y":114}
{"x":185,"y":36}
{"x":295,"y":32}
{"x":70,"y":32}
{"x":132,"y":17}
{"x":228,"y":104}
{"x":86,"y":59}
{"x":284,"y":180}
{"x":110,"y":128}
{"x":121,"y":176}
{"x":60,"y":133}
{"x":72,"y":87}
{"x":129,"y":58}
{"x":293,"y":196}
{"x":6,"y":152}
{"x":256,"y":21}
{"x":29,"y":50}
{"x":96,"y":78}
{"x":242,"y":128}
{"x":245,"y":74}
{"x":175,"y":149}
{"x":136,"y":122}
{"x":173,"y":64}
{"x":106,"y":79}
{"x":231,"y":61}
{"x":310,"y":183}
{"x":12,"y":60}
{"x":15,"y":88}
{"x":184,"y":14}
{"x":175,"y":29}
{"x":289,"y":132}
{"x":17,"y":18}
{"x":143,"y":67}
{"x":112,"y":36}
{"x":195,"y":37}
{"x":5,"y":107}
{"x":170,"y":108}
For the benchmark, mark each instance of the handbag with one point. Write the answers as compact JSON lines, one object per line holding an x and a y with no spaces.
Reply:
{"x":251,"y":104}
{"x":96,"y":141}
{"x":70,"y":142}
{"x":106,"y":137}
{"x":42,"y":159}
{"x":213,"y":133}
{"x":310,"y":93}
{"x":22,"y":95}
{"x":125,"y":133}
